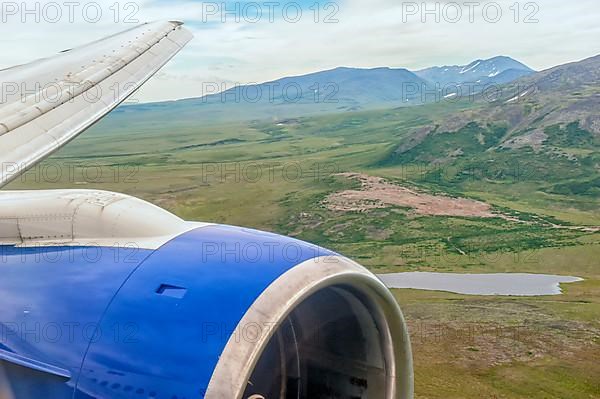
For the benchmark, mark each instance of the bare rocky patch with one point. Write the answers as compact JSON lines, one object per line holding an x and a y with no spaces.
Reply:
{"x":535,"y":140}
{"x":377,"y":193}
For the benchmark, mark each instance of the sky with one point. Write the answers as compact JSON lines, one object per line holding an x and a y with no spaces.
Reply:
{"x":241,"y":42}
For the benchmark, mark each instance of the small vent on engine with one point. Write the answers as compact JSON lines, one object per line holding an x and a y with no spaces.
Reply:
{"x":171,"y":291}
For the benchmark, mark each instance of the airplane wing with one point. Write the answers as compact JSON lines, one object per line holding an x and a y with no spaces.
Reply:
{"x":48,"y":102}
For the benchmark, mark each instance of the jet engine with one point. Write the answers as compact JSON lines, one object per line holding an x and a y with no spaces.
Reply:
{"x":107,"y":296}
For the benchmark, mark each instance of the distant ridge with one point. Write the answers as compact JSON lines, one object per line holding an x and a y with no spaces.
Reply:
{"x":345,"y":85}
{"x":341,"y":89}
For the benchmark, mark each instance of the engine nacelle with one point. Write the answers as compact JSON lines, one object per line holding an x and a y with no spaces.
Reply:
{"x":106,"y":296}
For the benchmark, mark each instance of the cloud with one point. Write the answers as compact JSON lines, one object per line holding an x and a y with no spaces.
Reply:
{"x":359,"y":33}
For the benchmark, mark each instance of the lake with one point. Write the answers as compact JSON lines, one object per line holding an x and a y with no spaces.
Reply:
{"x":517,"y":284}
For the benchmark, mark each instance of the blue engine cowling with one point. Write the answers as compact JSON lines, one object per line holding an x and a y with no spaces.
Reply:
{"x":217,"y":312}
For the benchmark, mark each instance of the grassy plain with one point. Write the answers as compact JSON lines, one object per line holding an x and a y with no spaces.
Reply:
{"x":275,"y":174}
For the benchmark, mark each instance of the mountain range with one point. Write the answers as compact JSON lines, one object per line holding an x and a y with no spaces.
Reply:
{"x":552,"y":114}
{"x":343,"y":89}
{"x":355,"y":88}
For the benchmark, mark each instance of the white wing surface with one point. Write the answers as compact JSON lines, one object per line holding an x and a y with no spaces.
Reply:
{"x":48,"y":102}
